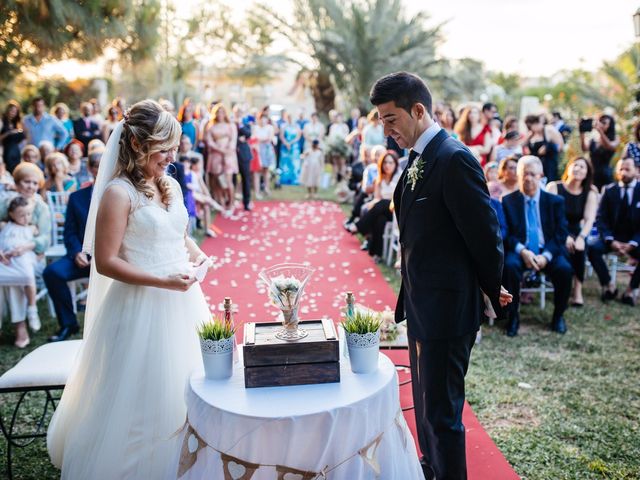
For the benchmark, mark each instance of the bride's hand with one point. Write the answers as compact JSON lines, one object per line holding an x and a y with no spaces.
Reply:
{"x":180,"y":282}
{"x":201,"y":259}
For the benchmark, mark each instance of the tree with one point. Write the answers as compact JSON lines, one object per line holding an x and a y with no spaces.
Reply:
{"x":351,"y":43}
{"x":39,"y":30}
{"x":460,"y":80}
{"x":622,"y":75}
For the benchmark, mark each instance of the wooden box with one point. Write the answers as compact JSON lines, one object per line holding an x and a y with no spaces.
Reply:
{"x":270,"y":362}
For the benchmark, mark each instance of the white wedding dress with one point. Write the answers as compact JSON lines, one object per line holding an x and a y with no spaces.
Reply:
{"x":124,"y":402}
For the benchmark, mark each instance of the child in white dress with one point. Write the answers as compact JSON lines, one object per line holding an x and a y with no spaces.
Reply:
{"x":312,"y":169}
{"x":204,"y":200}
{"x":18,"y":268}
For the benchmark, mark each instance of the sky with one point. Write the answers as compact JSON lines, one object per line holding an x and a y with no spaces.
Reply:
{"x":529,"y":37}
{"x":533,"y":37}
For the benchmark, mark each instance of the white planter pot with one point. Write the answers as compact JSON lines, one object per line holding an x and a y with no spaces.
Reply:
{"x":363,"y":351}
{"x":217,"y":358}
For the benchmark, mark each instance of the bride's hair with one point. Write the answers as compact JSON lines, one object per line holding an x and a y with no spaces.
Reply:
{"x":154,"y":129}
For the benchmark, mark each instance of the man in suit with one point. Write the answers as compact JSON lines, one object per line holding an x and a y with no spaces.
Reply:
{"x":450,"y":250}
{"x":75,"y":264}
{"x":85,"y":128}
{"x":354,"y":116}
{"x":618,"y":224}
{"x":536,"y":233}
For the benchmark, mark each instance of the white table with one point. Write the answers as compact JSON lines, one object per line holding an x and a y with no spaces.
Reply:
{"x":309,"y":427}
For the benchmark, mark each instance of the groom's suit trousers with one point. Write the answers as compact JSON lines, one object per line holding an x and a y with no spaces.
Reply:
{"x":438,"y":368}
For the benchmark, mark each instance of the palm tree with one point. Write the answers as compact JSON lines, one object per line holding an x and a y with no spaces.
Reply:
{"x":622,"y":74}
{"x":349,"y":44}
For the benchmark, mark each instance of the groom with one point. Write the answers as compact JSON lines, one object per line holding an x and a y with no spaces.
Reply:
{"x":451,"y":250}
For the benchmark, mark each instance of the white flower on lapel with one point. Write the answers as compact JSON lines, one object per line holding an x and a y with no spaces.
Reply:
{"x":415,"y":172}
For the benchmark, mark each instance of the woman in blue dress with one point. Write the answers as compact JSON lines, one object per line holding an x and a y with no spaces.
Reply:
{"x":289,"y":152}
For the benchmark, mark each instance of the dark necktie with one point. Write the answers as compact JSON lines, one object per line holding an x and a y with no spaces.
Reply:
{"x":412,"y":156}
{"x":623,"y":212}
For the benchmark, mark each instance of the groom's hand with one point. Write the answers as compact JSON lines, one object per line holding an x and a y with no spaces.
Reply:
{"x":505,"y":297}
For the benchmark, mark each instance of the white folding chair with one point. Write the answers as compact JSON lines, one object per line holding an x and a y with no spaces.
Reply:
{"x":542,"y":290}
{"x":58,"y":206}
{"x":386,"y":238}
{"x":393,"y":249}
{"x":57,"y":202}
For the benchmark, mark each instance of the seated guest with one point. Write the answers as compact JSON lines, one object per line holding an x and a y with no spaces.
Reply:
{"x":618,"y":224}
{"x":28,"y":179}
{"x":507,"y":174}
{"x":497,"y":207}
{"x":45,"y":147}
{"x":95,"y":146}
{"x":56,"y":169}
{"x":77,"y":164}
{"x":361,"y":181}
{"x":632,"y":149}
{"x":491,"y":176}
{"x":30,"y":154}
{"x":378,"y":210}
{"x":581,"y":203}
{"x":189,"y":201}
{"x":370,"y":174}
{"x":510,"y":146}
{"x":203,"y":199}
{"x":85,"y":128}
{"x":536,"y":234}
{"x":75,"y":264}
{"x":18,"y":262}
{"x":6,"y":179}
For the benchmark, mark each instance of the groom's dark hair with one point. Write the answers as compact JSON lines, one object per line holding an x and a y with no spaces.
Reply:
{"x":403,"y":88}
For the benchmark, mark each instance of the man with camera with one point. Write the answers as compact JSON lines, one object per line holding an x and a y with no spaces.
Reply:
{"x":618,"y":223}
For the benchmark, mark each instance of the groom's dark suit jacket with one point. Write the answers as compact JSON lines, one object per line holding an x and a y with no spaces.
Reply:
{"x":451,"y":243}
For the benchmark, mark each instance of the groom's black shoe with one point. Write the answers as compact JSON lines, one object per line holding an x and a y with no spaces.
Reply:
{"x":559,"y":325}
{"x":514,"y":324}
{"x":428,"y":472}
{"x":64,"y":333}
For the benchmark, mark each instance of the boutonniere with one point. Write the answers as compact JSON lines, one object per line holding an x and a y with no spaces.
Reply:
{"x":415,"y":172}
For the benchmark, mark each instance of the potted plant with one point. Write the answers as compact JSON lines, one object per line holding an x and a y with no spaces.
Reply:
{"x":362,"y":329}
{"x":216,"y":345}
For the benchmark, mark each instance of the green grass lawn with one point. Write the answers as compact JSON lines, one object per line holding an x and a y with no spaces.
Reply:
{"x":559,"y":407}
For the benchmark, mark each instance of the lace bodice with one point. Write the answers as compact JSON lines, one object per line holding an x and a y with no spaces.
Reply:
{"x":155,"y":237}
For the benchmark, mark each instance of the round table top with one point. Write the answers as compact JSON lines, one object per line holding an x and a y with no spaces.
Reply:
{"x":276,"y":402}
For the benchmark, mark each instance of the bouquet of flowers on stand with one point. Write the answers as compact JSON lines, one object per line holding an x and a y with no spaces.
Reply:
{"x":285,"y":283}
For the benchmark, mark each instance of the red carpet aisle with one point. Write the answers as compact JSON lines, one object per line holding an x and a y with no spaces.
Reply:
{"x":278,"y":232}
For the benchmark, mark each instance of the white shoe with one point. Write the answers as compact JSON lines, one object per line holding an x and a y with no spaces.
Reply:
{"x":33,"y":318}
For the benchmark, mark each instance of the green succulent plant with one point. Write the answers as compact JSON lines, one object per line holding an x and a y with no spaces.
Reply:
{"x":361,"y":321}
{"x":215,"y":329}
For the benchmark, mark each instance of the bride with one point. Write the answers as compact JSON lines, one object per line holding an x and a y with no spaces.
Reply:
{"x":123,"y":404}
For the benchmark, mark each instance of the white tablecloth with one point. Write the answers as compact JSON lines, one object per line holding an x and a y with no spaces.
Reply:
{"x":309,"y":427}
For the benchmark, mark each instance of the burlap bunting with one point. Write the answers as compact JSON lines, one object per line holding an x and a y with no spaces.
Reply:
{"x":236,"y":468}
{"x":191,"y":445}
{"x":369,"y":454}
{"x":287,"y":473}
